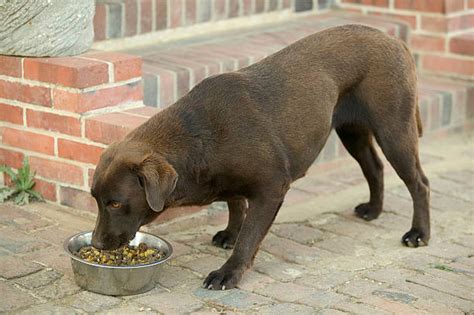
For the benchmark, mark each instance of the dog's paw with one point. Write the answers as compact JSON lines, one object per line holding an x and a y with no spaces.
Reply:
{"x":224,"y":239}
{"x":367,"y":211}
{"x":415,"y":238}
{"x":223,"y":279}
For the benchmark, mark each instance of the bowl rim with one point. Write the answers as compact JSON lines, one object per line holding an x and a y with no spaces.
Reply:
{"x":74,"y":257}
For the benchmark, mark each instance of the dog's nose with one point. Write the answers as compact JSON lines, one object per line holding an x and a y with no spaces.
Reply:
{"x":96,"y":243}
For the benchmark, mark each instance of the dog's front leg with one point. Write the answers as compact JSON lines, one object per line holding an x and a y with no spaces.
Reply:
{"x":260,"y":215}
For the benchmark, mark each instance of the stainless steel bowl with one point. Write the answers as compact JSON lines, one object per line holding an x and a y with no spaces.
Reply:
{"x":115,"y":280}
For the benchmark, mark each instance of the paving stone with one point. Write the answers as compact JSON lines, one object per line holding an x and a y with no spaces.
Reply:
{"x":171,"y":303}
{"x":452,"y":188}
{"x":286,"y":292}
{"x":323,"y":299}
{"x":331,"y":312}
{"x":58,"y":290}
{"x":53,"y":235}
{"x":17,"y":242}
{"x":443,"y":285}
{"x":359,"y":288}
{"x":280,"y":270}
{"x":339,"y":245}
{"x":464,"y":177}
{"x":297,"y":232}
{"x":389,"y":305}
{"x":252,"y":281}
{"x":242,"y":300}
{"x":202,"y":264}
{"x":21,"y":268}
{"x":38,"y":279}
{"x":49,"y":309}
{"x":359,"y":308}
{"x":129,"y":309}
{"x":172,"y":276}
{"x":325,"y":281}
{"x":13,"y":298}
{"x":293,"y":252}
{"x":16,"y":217}
{"x":448,"y":203}
{"x":285,"y":309}
{"x":91,"y":302}
{"x":52,"y":257}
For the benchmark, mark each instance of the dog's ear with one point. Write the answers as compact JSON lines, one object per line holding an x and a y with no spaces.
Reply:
{"x":158,"y":178}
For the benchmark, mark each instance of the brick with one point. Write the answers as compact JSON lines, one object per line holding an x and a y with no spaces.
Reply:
{"x":16,"y":242}
{"x":220,"y":10}
{"x":171,"y":303}
{"x":11,"y":158}
{"x":436,"y":6}
{"x":125,"y":66}
{"x":427,"y":43}
{"x":53,"y":122}
{"x":36,"y":95}
{"x":470,"y":4}
{"x":181,"y":76}
{"x":38,"y":279}
{"x":462,"y":22}
{"x":146,"y":11}
{"x":47,"y":189}
{"x":176,"y":9}
{"x":13,"y":298}
{"x":299,"y":233}
{"x":293,"y":252}
{"x":92,"y":302}
{"x":111,"y":127}
{"x":58,"y":290}
{"x":247,"y":6}
{"x":448,"y":65}
{"x":100,"y":21}
{"x":131,"y":18}
{"x":12,"y":114}
{"x":77,"y":199}
{"x":233,"y":8}
{"x":273,"y":5}
{"x":22,"y":267}
{"x":111,"y":96}
{"x":286,"y":308}
{"x":285,"y":291}
{"x":260,"y":5}
{"x":58,"y":171}
{"x":90,"y":173}
{"x":114,"y":20}
{"x":77,"y":151}
{"x":410,"y":19}
{"x":376,"y":3}
{"x":145,"y":111}
{"x":28,"y":140}
{"x":462,"y":44}
{"x":68,"y":71}
{"x":190,"y":16}
{"x":161,"y":15}
{"x":203,"y":11}
{"x":10,"y":66}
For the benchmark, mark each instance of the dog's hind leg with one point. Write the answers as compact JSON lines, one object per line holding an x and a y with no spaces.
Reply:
{"x":226,"y":238}
{"x":358,"y":142}
{"x":398,"y":138}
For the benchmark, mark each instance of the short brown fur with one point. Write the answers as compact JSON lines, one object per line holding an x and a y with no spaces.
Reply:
{"x":244,"y":137}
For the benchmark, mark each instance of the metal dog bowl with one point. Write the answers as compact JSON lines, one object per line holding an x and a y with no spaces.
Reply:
{"x":116,"y":280}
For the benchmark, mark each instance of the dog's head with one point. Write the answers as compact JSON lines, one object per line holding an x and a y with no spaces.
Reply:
{"x":131,"y":184}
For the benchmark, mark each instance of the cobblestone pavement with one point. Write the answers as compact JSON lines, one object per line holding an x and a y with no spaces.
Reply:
{"x":317,"y":259}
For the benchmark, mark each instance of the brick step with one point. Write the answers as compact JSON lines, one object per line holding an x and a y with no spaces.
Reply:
{"x":170,"y":71}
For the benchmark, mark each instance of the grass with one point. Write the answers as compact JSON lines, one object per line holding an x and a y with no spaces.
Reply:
{"x":22,"y":189}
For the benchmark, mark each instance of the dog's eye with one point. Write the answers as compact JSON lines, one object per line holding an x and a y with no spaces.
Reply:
{"x":115,"y":204}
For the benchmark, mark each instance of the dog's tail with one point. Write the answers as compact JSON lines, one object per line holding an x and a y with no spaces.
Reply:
{"x":419,"y":125}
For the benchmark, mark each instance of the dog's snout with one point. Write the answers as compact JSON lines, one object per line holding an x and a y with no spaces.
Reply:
{"x":96,"y":242}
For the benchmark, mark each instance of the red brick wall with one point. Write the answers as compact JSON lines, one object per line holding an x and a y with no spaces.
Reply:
{"x":442,"y":34}
{"x":115,"y":19}
{"x":47,"y":108}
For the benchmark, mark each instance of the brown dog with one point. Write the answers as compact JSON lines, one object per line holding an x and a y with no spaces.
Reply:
{"x":244,"y":137}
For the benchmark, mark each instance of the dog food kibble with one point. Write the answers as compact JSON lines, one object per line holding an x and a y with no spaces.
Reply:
{"x":128,"y":255}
